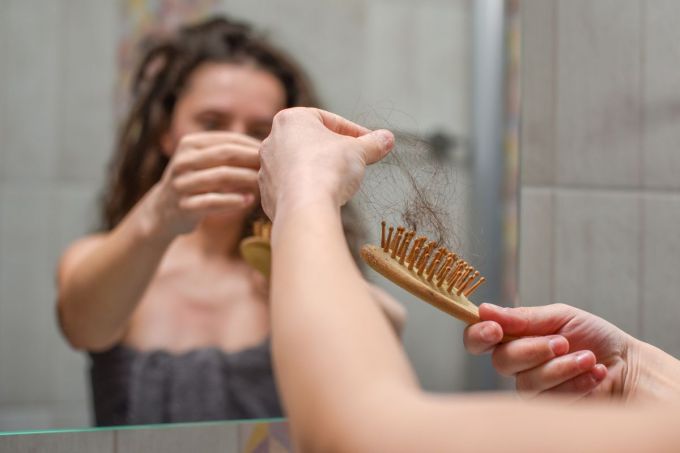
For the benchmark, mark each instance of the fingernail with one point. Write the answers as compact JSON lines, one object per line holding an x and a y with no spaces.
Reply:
{"x":492,"y":306}
{"x":386,"y":138}
{"x":488,"y":334}
{"x":583,"y":359}
{"x":599,"y":372}
{"x":557,"y":345}
{"x":248,"y":198}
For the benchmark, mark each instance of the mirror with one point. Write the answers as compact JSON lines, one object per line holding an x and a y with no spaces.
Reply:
{"x":442,"y":75}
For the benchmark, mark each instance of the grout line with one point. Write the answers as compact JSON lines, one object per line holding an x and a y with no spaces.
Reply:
{"x":555,"y":89}
{"x":553,"y":249}
{"x":642,"y":99}
{"x":612,"y":189}
{"x":641,"y":268}
{"x":552,"y":284}
{"x":641,"y":160}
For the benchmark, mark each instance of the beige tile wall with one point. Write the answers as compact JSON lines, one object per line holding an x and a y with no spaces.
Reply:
{"x":600,"y":161}
{"x":56,"y":119}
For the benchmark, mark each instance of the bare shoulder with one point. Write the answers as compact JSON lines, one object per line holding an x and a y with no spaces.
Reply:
{"x":76,"y":252}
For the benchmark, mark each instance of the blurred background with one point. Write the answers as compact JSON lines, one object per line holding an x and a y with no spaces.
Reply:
{"x":599,"y":192}
{"x":443,"y":74}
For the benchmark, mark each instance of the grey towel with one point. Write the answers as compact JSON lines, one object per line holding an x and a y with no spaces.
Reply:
{"x":133,"y":387}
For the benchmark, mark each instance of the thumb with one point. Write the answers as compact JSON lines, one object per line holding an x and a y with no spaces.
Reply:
{"x":528,"y":321}
{"x":376,"y":145}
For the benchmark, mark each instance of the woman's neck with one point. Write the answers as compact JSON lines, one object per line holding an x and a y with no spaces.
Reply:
{"x":217,"y":236}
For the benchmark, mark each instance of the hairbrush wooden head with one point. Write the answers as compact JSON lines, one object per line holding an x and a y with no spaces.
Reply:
{"x":256,"y":249}
{"x":434,"y":274}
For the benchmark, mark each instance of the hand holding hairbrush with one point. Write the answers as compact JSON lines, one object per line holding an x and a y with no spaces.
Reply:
{"x":434,"y":274}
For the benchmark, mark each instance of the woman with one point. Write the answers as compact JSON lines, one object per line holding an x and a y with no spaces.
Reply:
{"x":347,"y":385}
{"x":176,"y":322}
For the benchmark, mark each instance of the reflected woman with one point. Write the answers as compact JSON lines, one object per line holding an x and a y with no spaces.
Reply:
{"x":176,"y":323}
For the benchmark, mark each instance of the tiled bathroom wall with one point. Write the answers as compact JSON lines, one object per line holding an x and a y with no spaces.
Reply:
{"x":600,"y":201}
{"x":56,"y":133}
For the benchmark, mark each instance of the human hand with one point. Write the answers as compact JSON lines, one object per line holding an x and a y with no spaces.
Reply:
{"x":209,"y":173}
{"x":560,"y":350}
{"x":313,"y":153}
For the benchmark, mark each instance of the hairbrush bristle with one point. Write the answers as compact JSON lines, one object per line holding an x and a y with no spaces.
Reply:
{"x":423,"y":262}
{"x":446,"y":267}
{"x":262,"y":229}
{"x":441,"y":268}
{"x":382,"y":235}
{"x":475,"y":286}
{"x":388,"y":240}
{"x":397,"y":242}
{"x":427,"y":270}
{"x":441,"y":280}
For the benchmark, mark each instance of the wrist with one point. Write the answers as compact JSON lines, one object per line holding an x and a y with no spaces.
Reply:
{"x":152,"y":228}
{"x":301,"y":197}
{"x":653,"y":375}
{"x":295,"y":207}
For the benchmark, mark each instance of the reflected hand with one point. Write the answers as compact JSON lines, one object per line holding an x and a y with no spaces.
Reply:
{"x":209,"y":173}
{"x":561,"y":350}
{"x":311,"y":153}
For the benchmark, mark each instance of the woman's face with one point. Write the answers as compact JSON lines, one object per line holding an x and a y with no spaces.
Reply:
{"x":226,"y":97}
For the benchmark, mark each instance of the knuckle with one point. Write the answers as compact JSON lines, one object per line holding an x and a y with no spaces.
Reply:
{"x":524,"y":312}
{"x":523,"y":385}
{"x":560,"y":307}
{"x":536,"y":349}
{"x":584,"y":383}
{"x":499,"y":362}
{"x":184,"y":204}
{"x":226,"y":155}
{"x":287,"y":114}
{"x":222,"y":173}
{"x":179,"y":165}
{"x":177,"y":184}
{"x":188,"y":141}
{"x":264,"y":146}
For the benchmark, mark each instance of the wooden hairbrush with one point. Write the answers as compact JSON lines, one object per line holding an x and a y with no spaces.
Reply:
{"x":434,"y":274}
{"x":256,"y":249}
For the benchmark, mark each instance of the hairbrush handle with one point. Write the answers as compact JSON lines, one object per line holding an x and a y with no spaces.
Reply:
{"x":455,"y":305}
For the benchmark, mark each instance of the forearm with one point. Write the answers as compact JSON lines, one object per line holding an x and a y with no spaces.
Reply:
{"x":353,"y":391}
{"x":102,"y":289}
{"x":393,"y":311}
{"x":318,"y":293}
{"x":491,"y":423}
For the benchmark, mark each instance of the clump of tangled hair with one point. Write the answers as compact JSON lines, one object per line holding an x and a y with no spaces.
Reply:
{"x":413,"y":188}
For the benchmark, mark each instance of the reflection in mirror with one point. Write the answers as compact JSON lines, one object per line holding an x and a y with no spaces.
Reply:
{"x":137,"y":202}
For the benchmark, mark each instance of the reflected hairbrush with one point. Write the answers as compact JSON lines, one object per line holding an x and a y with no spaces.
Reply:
{"x":256,"y":249}
{"x":434,"y":274}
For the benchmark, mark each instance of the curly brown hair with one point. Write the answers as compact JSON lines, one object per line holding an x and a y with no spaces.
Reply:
{"x":158,"y":82}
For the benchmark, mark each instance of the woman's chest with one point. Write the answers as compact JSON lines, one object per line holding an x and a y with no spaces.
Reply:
{"x":198,"y":307}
